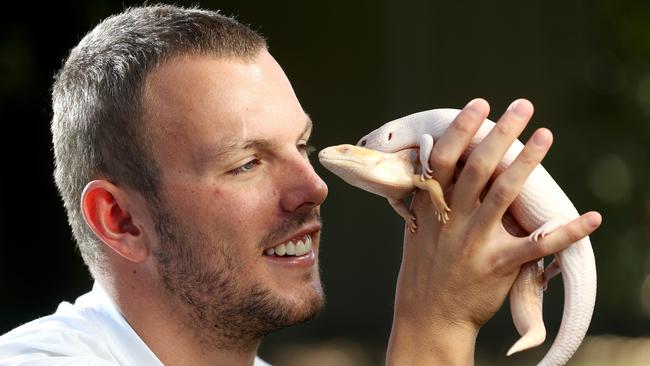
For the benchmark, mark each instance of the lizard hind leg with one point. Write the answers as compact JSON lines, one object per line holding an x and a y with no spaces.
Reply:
{"x":526,"y":297}
{"x":551,"y":271}
{"x":547,"y":228}
{"x":436,"y":194}
{"x":529,"y":340}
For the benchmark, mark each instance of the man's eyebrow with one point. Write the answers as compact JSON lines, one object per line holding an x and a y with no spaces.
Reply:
{"x":222,"y":150}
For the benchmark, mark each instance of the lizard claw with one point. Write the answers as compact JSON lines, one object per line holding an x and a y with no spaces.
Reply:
{"x":547,"y":228}
{"x":426,"y":174}
{"x":411,"y":225}
{"x":443,"y":216}
{"x":536,"y":235}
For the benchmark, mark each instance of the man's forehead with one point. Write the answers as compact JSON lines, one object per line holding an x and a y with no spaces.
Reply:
{"x":209,"y":106}
{"x":191,"y":84}
{"x":181,"y":78}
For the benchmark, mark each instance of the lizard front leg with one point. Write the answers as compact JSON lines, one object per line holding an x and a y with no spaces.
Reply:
{"x":400,"y":207}
{"x":426,"y":147}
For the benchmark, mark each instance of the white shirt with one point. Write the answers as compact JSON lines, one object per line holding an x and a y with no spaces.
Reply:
{"x":91,"y":332}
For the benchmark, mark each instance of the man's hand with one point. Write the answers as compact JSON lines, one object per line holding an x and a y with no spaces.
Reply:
{"x":455,"y":276}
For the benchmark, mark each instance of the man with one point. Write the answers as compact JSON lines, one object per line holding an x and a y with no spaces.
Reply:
{"x":181,"y":158}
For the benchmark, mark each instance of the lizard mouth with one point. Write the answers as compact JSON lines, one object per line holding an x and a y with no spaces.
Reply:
{"x":346,"y":155}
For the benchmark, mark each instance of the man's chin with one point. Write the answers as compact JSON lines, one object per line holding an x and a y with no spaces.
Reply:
{"x":310,"y":310}
{"x":293,"y":312}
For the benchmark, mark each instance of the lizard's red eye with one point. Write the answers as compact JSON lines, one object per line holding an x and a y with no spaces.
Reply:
{"x":390,"y":136}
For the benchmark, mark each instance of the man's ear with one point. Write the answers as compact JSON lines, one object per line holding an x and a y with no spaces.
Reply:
{"x":113,"y":216}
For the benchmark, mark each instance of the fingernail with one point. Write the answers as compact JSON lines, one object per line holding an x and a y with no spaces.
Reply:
{"x":594,"y":220}
{"x":473,"y":106}
{"x":540,"y":139}
{"x":520,"y":108}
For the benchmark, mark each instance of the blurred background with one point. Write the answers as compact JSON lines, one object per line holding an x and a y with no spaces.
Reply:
{"x":354,"y":65}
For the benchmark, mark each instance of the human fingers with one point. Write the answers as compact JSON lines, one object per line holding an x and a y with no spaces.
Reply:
{"x":525,"y":251}
{"x":483,"y":161}
{"x":454,"y":141}
{"x":507,"y":186}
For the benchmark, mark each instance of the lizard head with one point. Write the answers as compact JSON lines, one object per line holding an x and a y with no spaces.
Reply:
{"x":385,"y":174}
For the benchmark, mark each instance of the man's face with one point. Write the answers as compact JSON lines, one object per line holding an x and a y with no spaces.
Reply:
{"x":230,"y":138}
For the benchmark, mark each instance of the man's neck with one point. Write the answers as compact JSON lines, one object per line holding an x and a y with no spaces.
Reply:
{"x":165,"y":328}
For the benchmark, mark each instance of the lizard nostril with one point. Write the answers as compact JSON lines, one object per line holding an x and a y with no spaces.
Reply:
{"x":363,"y":143}
{"x":390,"y":136}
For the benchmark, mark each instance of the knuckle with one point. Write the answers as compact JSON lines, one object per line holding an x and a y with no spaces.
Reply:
{"x":573,"y":233}
{"x":500,"y":193}
{"x":477,"y":167}
{"x":529,"y":157}
{"x":462,"y":126}
{"x":441,"y":160}
{"x":503,"y":129}
{"x":540,"y":249}
{"x":500,"y":265}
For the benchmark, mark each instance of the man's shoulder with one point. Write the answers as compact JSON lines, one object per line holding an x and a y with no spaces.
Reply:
{"x":92,"y":331}
{"x":67,"y":334}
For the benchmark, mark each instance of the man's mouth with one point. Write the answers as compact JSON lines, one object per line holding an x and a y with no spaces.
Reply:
{"x":292,"y":248}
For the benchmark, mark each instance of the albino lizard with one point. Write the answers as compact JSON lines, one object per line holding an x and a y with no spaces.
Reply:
{"x":540,"y":208}
{"x":393,"y":176}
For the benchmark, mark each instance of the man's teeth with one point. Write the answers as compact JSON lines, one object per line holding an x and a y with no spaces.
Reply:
{"x":291,"y":248}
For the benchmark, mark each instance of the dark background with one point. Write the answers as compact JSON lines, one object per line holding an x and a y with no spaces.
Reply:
{"x":354,"y":65}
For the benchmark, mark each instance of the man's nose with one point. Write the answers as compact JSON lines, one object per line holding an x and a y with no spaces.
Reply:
{"x":304,"y":189}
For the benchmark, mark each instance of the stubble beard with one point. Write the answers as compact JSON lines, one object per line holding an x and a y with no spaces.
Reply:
{"x":224,"y":313}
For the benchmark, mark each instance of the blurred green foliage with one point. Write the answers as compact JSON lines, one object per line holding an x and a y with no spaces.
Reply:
{"x":354,"y":65}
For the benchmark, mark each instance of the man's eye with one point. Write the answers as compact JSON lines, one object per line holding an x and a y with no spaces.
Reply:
{"x":306,"y":149}
{"x":246,"y":168}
